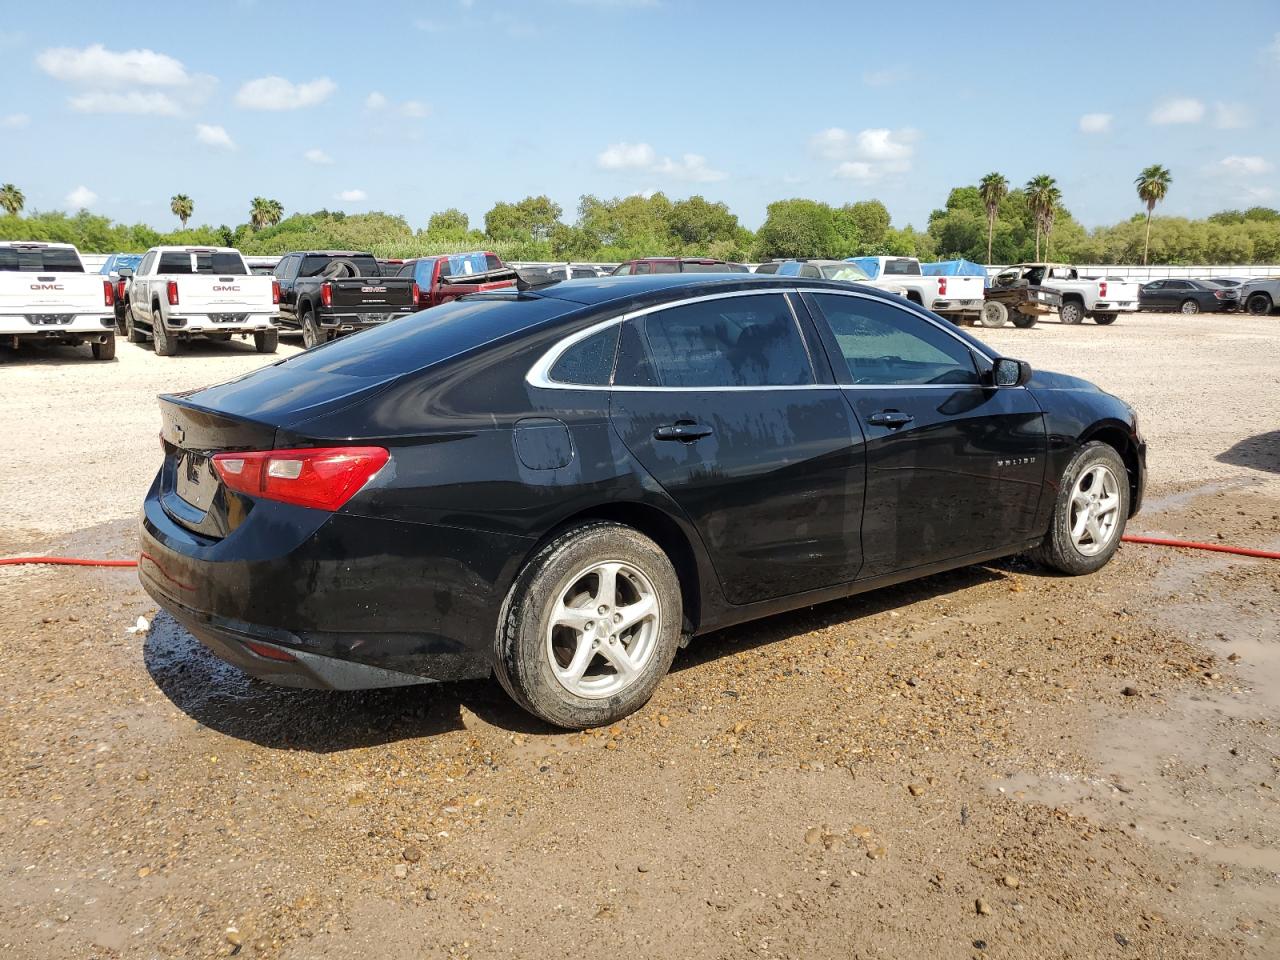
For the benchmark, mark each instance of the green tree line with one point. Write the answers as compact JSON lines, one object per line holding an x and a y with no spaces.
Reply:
{"x":985,"y":222}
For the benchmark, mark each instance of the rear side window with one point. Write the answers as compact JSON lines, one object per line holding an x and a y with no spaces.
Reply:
{"x":667,"y":268}
{"x":221,"y":262}
{"x":882,"y":344}
{"x":747,"y":341}
{"x":175,"y":261}
{"x":40,"y":260}
{"x":589,"y":362}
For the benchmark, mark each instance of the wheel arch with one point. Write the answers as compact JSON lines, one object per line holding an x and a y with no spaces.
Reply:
{"x":1118,"y":436}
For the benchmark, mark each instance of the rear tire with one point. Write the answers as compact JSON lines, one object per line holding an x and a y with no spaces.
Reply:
{"x":1083,"y":493}
{"x":994,"y":314}
{"x":165,"y":343}
{"x":1189,"y":307}
{"x":133,"y":334}
{"x":266,"y":341}
{"x":557,"y":654}
{"x":312,"y":334}
{"x":106,"y":350}
{"x":1104,"y":319}
{"x":1071,"y":312}
{"x":1024,"y":320}
{"x":1259,"y":304}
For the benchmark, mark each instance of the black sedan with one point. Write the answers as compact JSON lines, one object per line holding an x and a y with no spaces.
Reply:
{"x":1187,"y":296}
{"x":562,"y":485}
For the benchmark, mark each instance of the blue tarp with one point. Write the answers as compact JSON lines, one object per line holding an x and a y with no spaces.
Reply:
{"x":870,"y":266}
{"x":955,"y":268}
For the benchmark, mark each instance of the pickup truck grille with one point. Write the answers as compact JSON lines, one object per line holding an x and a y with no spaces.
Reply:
{"x":50,"y":319}
{"x":228,"y":317}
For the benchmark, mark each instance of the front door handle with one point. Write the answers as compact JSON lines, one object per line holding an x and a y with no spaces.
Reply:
{"x":688,"y":432}
{"x":890,"y":418}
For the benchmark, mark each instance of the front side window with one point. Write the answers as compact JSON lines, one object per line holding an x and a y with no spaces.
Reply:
{"x":746,"y":341}
{"x":589,"y":362}
{"x":882,"y":344}
{"x":622,"y":270}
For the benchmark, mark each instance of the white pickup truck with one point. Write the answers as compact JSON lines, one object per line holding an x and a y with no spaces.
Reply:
{"x":959,"y":299}
{"x":1102,"y":298}
{"x":46,"y":295}
{"x":182,"y":292}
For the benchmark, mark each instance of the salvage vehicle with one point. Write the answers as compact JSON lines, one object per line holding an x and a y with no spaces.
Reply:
{"x":326,"y":293}
{"x":1261,"y":297}
{"x":827,"y":270}
{"x":179,"y":293}
{"x":1102,"y":298}
{"x":46,"y":296}
{"x":957,"y":298}
{"x":111,"y":267}
{"x":1187,"y":296}
{"x":450,"y":276}
{"x":651,"y":265}
{"x":1012,"y":296}
{"x":562,"y":486}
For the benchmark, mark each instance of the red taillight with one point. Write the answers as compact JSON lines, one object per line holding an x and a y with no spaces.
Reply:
{"x":173,"y":292}
{"x":326,"y":293}
{"x":108,"y":293}
{"x":323,"y":478}
{"x":1102,"y":288}
{"x":942,"y":286}
{"x":120,"y":289}
{"x":275,"y":291}
{"x":417,"y":294}
{"x":269,"y":652}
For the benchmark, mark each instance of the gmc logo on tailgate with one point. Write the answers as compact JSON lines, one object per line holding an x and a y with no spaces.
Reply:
{"x":47,"y":286}
{"x":225,"y":289}
{"x":373,"y":289}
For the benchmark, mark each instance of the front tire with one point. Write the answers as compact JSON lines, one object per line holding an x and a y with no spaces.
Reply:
{"x":590,"y":627}
{"x":1259,"y":304}
{"x":994,"y":314}
{"x":106,"y":350}
{"x":1189,"y":307}
{"x":1071,"y":312}
{"x":165,"y":343}
{"x":1089,"y":514}
{"x":266,"y":341}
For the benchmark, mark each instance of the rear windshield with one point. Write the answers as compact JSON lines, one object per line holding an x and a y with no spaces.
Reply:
{"x":222,"y":263}
{"x":422,"y":339}
{"x":901,"y":267}
{"x":459,"y":264}
{"x":40,"y":260}
{"x":339,"y":268}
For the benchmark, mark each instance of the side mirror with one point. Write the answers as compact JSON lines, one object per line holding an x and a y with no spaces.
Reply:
{"x":1007,"y":372}
{"x":125,"y":272}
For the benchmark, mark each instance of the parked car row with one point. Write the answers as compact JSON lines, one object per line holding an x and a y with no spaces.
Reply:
{"x":1215,"y":295}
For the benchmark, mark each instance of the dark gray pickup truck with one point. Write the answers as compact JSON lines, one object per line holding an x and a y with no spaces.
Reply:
{"x":326,"y":293}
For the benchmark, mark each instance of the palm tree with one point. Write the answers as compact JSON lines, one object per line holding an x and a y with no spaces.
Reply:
{"x":181,"y":206}
{"x":275,"y":212}
{"x":1153,"y":186}
{"x":264,"y":212}
{"x":11,"y":199}
{"x":993,"y":188}
{"x":1043,"y":197}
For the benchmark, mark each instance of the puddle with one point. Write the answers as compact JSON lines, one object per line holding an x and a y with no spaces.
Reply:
{"x":1180,"y":498}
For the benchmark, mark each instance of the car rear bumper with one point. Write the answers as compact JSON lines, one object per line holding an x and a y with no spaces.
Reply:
{"x":1117,"y":306}
{"x":346,"y":322}
{"x":55,"y":325}
{"x":234,"y":322}
{"x":333,"y":600}
{"x":958,"y":306}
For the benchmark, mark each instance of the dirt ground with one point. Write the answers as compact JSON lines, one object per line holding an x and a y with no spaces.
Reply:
{"x":992,"y":762}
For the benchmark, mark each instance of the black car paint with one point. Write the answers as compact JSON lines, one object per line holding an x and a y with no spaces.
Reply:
{"x":411,"y":575}
{"x":1161,"y":295}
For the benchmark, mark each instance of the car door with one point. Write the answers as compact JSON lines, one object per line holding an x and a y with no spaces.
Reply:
{"x":955,"y":466}
{"x":287,"y":277}
{"x":721,"y":401}
{"x":1149,"y":296}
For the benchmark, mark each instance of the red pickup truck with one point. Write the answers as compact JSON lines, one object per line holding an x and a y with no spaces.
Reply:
{"x":449,"y":276}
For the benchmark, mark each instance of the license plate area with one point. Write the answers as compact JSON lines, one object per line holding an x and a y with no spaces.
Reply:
{"x":195,"y":480}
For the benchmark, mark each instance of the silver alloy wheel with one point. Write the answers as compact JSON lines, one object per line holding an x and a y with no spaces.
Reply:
{"x":1190,"y":306}
{"x":1095,"y":510}
{"x":603,"y":629}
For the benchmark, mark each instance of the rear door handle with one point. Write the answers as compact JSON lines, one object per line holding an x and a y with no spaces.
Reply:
{"x":688,"y":432}
{"x":890,"y":418}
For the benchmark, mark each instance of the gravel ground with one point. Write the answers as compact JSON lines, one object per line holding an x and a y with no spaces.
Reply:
{"x":991,"y":762}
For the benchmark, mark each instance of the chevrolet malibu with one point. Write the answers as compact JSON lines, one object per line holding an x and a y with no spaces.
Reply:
{"x":562,"y":485}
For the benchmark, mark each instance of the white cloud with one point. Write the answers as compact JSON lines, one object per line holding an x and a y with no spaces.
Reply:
{"x":641,"y":156}
{"x":214,"y":136}
{"x":1240,"y":166}
{"x":1231,"y":116}
{"x":375,"y":101}
{"x":867,"y":155}
{"x":1177,"y":110}
{"x":96,"y":66}
{"x":318,"y":156}
{"x":128,"y":101}
{"x":352,"y":196}
{"x":1273,"y":48}
{"x":80,"y":198}
{"x":1096,"y":123}
{"x":14,"y":120}
{"x":277,"y":93}
{"x":414,"y":108}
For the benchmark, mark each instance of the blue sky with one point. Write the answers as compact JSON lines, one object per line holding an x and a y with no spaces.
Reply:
{"x":414,"y":107}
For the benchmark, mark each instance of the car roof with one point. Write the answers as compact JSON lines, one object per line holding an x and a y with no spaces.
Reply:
{"x":641,"y":291}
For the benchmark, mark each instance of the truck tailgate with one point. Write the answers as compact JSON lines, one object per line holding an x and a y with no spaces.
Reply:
{"x":198,"y":293}
{"x":371,"y":294}
{"x":36,"y":293}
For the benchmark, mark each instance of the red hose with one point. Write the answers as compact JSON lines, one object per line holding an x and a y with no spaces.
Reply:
{"x":68,"y":561}
{"x":1192,"y":545}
